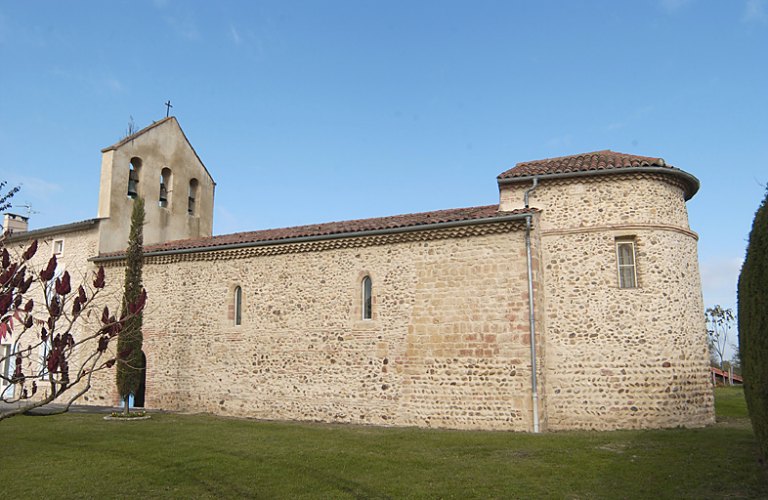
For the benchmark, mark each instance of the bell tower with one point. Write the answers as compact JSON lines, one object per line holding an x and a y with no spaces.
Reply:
{"x":159,"y":164}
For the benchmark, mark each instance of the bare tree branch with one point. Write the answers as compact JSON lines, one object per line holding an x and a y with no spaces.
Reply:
{"x":719,"y":324}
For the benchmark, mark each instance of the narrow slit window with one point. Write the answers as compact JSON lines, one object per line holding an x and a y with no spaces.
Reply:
{"x":367,"y":298}
{"x":625,"y":256}
{"x":238,"y":305}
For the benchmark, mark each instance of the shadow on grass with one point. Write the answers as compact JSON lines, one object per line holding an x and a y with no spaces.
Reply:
{"x":198,"y":456}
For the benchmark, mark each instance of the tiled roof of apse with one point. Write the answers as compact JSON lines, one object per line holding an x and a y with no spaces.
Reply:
{"x":349,"y":228}
{"x":596,"y":162}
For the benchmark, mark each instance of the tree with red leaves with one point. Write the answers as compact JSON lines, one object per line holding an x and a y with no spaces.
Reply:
{"x":38,"y":311}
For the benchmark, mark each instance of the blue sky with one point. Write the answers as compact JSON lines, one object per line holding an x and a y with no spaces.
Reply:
{"x":328,"y":110}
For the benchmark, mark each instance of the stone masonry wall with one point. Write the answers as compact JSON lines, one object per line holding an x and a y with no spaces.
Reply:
{"x":621,"y":358}
{"x":447,"y":345}
{"x":592,"y":201}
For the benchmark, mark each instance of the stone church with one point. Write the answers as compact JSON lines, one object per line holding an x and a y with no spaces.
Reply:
{"x":574,"y":302}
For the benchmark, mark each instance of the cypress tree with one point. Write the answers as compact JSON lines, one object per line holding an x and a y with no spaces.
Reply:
{"x":129,"y":340}
{"x":753,"y":325}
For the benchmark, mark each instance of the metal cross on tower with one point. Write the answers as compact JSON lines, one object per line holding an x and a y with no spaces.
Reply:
{"x":168,"y":107}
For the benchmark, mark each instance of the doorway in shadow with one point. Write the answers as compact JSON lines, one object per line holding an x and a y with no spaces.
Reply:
{"x":138,"y":399}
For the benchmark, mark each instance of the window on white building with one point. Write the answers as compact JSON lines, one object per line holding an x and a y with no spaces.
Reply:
{"x":45,"y":349}
{"x":5,"y":364}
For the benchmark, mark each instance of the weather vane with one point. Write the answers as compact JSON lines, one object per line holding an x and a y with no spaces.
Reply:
{"x":168,"y":107}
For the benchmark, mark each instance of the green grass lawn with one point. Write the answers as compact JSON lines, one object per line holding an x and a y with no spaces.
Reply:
{"x":729,"y":402}
{"x":176,"y":456}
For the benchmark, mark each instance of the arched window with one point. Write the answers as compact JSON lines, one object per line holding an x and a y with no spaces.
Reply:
{"x":238,"y":305}
{"x":194,"y":189}
{"x":367,"y":287}
{"x":133,"y":177}
{"x":165,"y":183}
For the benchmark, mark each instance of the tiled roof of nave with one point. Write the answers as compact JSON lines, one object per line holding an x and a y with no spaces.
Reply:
{"x":329,"y":229}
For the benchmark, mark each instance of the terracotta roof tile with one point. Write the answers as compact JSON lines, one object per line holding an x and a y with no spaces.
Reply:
{"x":336,"y":228}
{"x":51,"y":230}
{"x":597,"y":160}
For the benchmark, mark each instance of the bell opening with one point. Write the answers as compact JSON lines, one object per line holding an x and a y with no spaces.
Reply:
{"x":132,"y":193}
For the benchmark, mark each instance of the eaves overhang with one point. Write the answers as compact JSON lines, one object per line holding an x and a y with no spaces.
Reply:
{"x":51,"y":231}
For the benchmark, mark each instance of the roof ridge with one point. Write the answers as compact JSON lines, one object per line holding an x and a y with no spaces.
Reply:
{"x":544,"y":160}
{"x":590,"y":153}
{"x":605,"y":159}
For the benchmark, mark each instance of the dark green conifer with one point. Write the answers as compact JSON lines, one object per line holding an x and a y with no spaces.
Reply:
{"x":129,"y":340}
{"x":753,"y":325}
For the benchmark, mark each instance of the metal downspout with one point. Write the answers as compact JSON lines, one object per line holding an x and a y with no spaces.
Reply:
{"x":531,"y":310}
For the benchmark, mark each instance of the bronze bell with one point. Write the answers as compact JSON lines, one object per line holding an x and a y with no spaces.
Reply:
{"x":133,"y":179}
{"x":163,"y":195}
